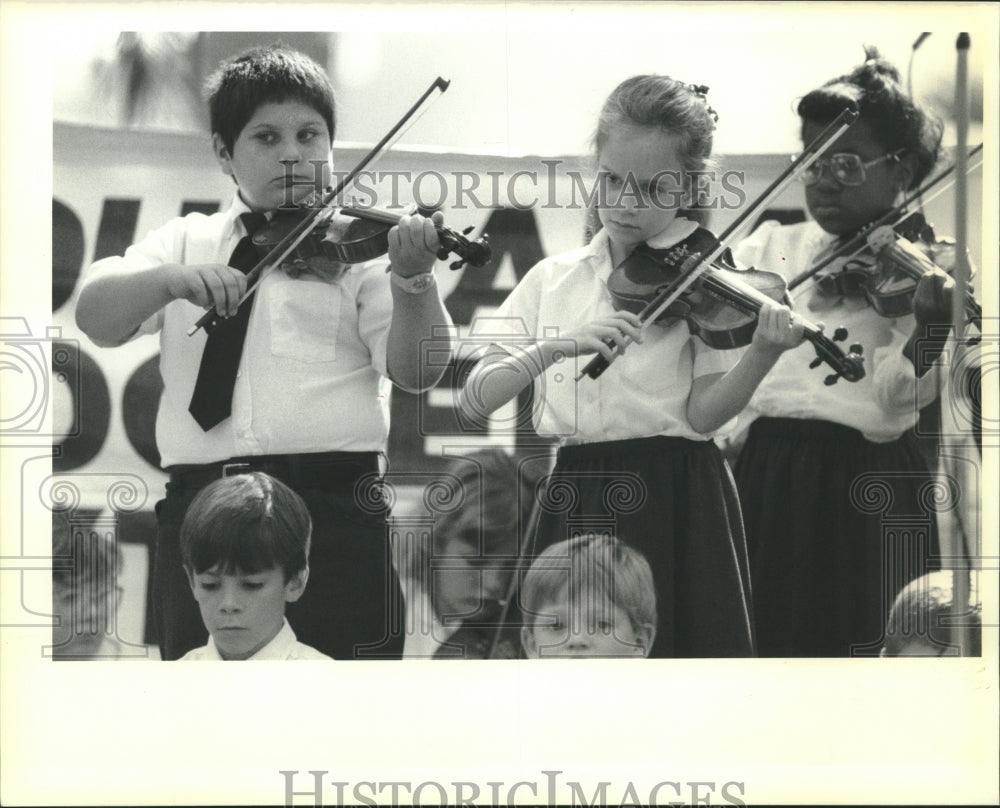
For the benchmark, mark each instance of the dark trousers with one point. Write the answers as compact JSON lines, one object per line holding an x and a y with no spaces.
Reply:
{"x":352,"y":607}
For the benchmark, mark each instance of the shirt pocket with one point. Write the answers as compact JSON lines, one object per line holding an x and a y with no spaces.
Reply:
{"x":304,"y":317}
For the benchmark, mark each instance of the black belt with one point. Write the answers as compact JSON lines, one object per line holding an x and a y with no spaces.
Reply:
{"x":298,"y":471}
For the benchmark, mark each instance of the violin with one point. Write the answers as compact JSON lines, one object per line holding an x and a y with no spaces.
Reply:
{"x":887,"y":273}
{"x":670,"y":289}
{"x":301,"y":226}
{"x":904,"y":248}
{"x":355,"y":235}
{"x":722,"y":305}
{"x":485,"y":640}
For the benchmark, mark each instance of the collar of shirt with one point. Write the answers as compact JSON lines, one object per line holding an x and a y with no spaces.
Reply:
{"x":278,"y":649}
{"x":237,"y":208}
{"x":599,"y":250}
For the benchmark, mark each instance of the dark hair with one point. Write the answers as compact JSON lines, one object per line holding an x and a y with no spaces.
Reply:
{"x":264,"y":75}
{"x":675,"y":107}
{"x":895,"y":120}
{"x":925,"y":608}
{"x":248,"y":523}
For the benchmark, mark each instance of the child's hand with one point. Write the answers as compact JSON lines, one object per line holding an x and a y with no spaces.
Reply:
{"x":208,"y":285}
{"x":591,"y":338}
{"x":413,"y":244}
{"x":777,"y":330}
{"x":932,"y":299}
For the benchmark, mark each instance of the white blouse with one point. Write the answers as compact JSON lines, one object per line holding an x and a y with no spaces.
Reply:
{"x":643,"y":393}
{"x":882,"y":405}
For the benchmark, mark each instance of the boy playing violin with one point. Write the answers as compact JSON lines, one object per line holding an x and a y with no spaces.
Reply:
{"x":294,"y":382}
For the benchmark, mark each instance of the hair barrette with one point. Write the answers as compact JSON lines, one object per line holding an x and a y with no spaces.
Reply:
{"x":701,"y":90}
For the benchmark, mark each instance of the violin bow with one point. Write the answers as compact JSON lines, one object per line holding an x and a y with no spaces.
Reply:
{"x":514,"y":586}
{"x":892,"y":217}
{"x":309,"y":223}
{"x":697,"y":264}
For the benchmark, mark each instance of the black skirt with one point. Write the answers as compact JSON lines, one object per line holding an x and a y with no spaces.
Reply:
{"x":836,"y":526}
{"x":674,"y":500}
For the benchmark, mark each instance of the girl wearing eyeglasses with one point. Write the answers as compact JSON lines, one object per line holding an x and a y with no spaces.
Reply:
{"x":827,"y":468}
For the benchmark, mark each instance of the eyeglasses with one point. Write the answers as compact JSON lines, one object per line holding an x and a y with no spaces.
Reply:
{"x":845,"y":168}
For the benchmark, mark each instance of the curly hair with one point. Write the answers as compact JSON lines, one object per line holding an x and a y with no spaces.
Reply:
{"x":896,"y":121}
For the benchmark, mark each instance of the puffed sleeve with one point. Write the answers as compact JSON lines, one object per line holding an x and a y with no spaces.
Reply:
{"x":750,"y":251}
{"x":895,"y":382}
{"x":165,"y":245}
{"x":515,"y":323}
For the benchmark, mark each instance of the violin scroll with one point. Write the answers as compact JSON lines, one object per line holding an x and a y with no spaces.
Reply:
{"x":477,"y":253}
{"x":850,"y":366}
{"x":355,"y":235}
{"x":721,"y":307}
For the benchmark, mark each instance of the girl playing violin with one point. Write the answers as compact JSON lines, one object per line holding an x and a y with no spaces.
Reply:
{"x":302,"y":393}
{"x":819,"y":458}
{"x":637,"y":457}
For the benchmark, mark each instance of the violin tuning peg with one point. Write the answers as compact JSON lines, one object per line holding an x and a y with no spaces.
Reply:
{"x":857,"y":348}
{"x":456,"y":264}
{"x":840,"y":334}
{"x":815,"y":363}
{"x":831,"y":379}
{"x":468,"y":230}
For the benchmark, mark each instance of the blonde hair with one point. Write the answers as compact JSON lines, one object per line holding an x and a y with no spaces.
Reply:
{"x":677,"y":108}
{"x":592,"y":566}
{"x":925,"y":607}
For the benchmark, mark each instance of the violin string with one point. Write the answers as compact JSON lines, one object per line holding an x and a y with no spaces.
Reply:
{"x":813,"y":152}
{"x":811,"y":275}
{"x":698,"y":263}
{"x":308,"y":224}
{"x":730,"y":292}
{"x":856,"y":244}
{"x":374,"y":155}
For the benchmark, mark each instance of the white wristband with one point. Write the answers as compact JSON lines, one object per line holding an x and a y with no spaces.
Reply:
{"x":414,"y":284}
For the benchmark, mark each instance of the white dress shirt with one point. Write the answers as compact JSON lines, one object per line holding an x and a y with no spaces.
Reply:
{"x":643,"y":393}
{"x":284,"y":646}
{"x":887,"y":401}
{"x":313,"y":374}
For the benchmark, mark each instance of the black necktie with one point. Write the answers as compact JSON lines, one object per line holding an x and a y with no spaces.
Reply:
{"x":212,"y":401}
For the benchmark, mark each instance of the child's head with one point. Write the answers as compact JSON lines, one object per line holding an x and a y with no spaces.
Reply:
{"x":591,"y":596}
{"x":273,"y":120}
{"x":465,"y":564}
{"x":890,"y":149}
{"x":245,"y":545}
{"x":85,"y":589}
{"x":653,"y":132}
{"x":923,"y":618}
